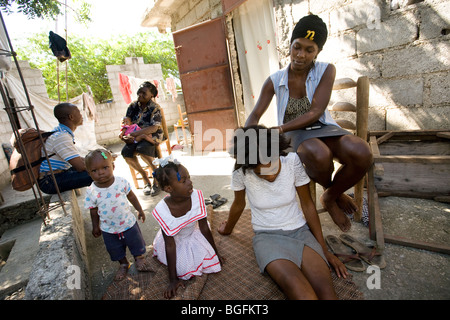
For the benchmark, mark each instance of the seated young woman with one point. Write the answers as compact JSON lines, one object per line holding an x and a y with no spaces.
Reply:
{"x":288,"y":241}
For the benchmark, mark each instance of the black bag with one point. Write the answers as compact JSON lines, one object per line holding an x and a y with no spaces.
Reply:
{"x":59,"y":47}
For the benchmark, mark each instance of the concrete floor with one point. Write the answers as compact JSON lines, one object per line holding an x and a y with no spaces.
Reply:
{"x":409,"y":274}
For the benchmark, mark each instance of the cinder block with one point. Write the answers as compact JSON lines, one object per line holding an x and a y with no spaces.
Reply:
{"x":399,"y":92}
{"x":354,"y":14}
{"x":399,"y":30}
{"x":418,"y":118}
{"x":435,"y":18}
{"x":439,"y":89}
{"x":417,"y":59}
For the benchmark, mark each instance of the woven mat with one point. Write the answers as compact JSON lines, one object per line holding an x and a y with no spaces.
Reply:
{"x":239,"y":279}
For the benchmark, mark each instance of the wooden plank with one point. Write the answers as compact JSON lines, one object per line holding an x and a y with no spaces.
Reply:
{"x":445,"y":199}
{"x":343,"y":83}
{"x":436,"y":148}
{"x":445,"y":134}
{"x":412,"y":159}
{"x":423,"y":135}
{"x":375,"y":222}
{"x":385,"y":137}
{"x":362,"y":107}
{"x":346,"y":124}
{"x":416,"y":178}
{"x":343,"y":106}
{"x":417,"y":244}
{"x":378,"y":168}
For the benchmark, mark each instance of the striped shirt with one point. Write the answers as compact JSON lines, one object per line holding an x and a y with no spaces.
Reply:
{"x":62,"y":144}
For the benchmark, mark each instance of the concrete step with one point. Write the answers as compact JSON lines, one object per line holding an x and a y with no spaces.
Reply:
{"x":20,"y":245}
{"x":18,"y":207}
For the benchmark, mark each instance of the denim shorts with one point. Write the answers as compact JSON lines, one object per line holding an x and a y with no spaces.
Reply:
{"x":67,"y":180}
{"x":143,"y":147}
{"x":117,"y":243}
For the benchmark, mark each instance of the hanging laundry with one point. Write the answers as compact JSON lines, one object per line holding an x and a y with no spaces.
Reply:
{"x":170,"y":82}
{"x":89,"y":106}
{"x":125,"y":88}
{"x":59,"y":47}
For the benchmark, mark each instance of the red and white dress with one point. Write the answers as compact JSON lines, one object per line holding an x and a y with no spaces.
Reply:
{"x":195,"y":255}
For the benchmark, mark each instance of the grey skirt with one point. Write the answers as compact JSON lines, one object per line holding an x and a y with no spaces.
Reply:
{"x":315,"y":130}
{"x":270,"y":245}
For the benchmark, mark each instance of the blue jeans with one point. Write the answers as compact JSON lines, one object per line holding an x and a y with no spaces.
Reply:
{"x":67,"y":180}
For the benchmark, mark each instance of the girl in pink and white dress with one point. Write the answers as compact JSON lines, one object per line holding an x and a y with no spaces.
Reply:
{"x":184,"y":243}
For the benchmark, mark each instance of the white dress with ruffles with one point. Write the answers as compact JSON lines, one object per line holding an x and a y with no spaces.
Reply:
{"x":195,"y":255}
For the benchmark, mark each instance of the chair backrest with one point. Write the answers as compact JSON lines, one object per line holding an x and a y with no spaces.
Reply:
{"x":358,"y":123}
{"x":166,"y":136}
{"x":164,"y":125}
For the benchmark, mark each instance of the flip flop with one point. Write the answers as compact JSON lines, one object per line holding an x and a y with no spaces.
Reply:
{"x":351,"y":260}
{"x":370,"y":255}
{"x":217,"y":200}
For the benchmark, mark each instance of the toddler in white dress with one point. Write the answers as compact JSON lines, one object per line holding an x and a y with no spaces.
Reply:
{"x":184,"y":243}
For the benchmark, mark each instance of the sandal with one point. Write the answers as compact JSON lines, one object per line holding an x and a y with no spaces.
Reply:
{"x":345,"y":254}
{"x":141,"y":264}
{"x":370,"y":255}
{"x":217,"y":200}
{"x":122,"y":272}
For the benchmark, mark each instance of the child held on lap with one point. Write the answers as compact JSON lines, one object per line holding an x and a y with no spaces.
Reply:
{"x":128,"y":127}
{"x":184,"y":243}
{"x":108,"y":199}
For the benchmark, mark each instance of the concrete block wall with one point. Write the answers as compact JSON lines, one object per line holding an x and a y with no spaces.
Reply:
{"x":110,"y":114}
{"x":403,"y":48}
{"x":34,"y":83}
{"x":195,"y":11}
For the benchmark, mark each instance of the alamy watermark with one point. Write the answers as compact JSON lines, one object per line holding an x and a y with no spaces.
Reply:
{"x":74,"y":279}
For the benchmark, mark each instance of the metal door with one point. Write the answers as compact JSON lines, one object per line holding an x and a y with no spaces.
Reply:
{"x":205,"y":76}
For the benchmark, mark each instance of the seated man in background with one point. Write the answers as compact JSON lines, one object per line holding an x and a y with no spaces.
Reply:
{"x":67,"y":164}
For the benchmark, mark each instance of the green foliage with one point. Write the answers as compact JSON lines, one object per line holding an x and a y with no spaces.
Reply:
{"x":45,"y":9}
{"x":87,"y":67}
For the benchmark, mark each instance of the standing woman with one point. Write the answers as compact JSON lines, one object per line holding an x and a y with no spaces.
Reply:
{"x":303,"y":90}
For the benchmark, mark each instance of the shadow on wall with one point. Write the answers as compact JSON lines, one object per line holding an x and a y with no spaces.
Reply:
{"x":404,"y":49}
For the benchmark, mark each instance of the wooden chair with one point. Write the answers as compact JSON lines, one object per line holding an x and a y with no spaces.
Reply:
{"x":134,"y":174}
{"x":181,"y":123}
{"x":357,"y":123}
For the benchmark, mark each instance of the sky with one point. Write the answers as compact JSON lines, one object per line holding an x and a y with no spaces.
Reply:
{"x":109,"y":17}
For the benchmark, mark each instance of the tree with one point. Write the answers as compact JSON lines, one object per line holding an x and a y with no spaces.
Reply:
{"x":45,"y":9}
{"x":87,"y":67}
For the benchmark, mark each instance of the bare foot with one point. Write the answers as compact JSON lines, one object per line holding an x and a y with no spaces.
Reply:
{"x":347,"y":204}
{"x":336,"y":213}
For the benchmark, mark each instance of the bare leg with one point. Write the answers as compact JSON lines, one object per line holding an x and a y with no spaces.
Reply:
{"x":149,"y":161}
{"x":355,"y":156}
{"x":318,"y":160}
{"x":318,"y":274}
{"x":134,"y":163}
{"x":291,"y":280}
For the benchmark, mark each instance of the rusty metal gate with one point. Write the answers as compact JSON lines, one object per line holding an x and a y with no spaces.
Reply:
{"x":205,"y":76}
